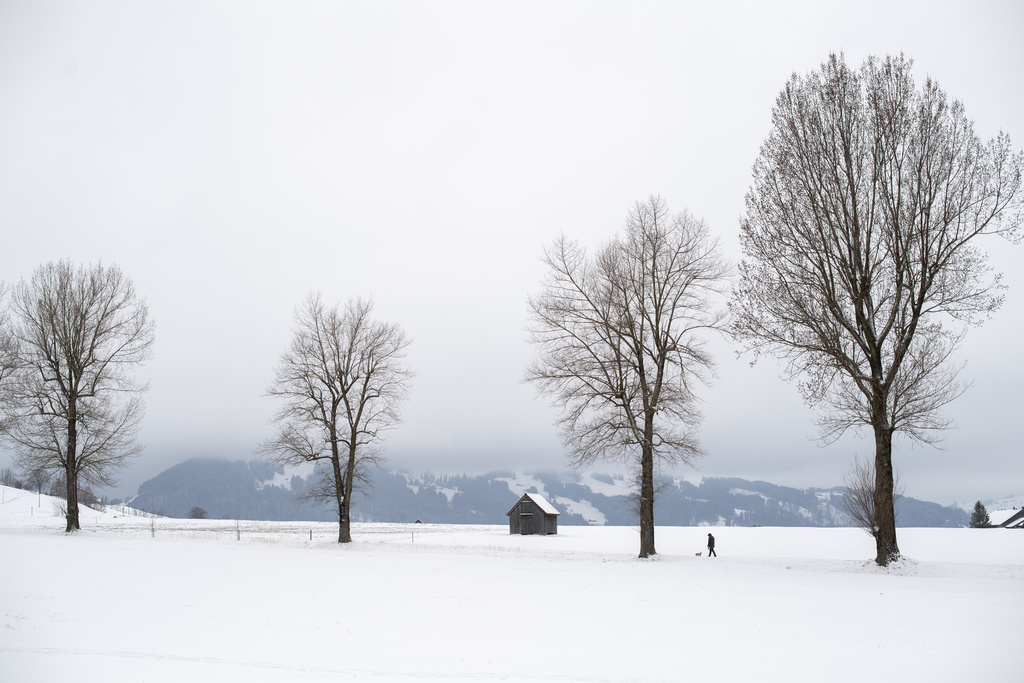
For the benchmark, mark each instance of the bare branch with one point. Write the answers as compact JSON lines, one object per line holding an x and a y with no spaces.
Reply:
{"x":859,"y":497}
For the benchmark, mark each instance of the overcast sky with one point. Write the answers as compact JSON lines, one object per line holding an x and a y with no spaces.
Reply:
{"x":232,"y":156}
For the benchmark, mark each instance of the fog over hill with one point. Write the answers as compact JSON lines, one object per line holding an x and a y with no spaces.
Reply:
{"x":257,"y":491}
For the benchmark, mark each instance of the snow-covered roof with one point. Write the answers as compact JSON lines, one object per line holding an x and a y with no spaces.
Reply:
{"x":1000,"y":517}
{"x":1013,"y":520}
{"x":539,"y":501}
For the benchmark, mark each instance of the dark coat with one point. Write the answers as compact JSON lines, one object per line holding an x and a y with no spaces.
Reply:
{"x":711,"y":542}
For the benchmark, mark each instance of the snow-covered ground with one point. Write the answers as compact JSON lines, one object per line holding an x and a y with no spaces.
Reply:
{"x":135,"y":599}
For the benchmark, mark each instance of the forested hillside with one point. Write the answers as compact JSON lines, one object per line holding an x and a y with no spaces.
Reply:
{"x":254,"y":490}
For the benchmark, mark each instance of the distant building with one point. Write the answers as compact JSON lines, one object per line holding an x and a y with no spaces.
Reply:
{"x":1007,"y":518}
{"x":532,"y":514}
{"x":1015,"y":521}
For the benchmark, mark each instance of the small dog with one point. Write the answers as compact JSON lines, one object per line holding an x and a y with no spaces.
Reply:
{"x":700,"y":553}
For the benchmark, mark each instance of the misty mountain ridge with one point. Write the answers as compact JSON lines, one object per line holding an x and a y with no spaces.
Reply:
{"x":259,"y":491}
{"x":1004,"y":503}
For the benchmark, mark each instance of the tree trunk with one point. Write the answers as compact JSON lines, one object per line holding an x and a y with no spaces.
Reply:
{"x":341,"y":497}
{"x":345,"y":530}
{"x":647,"y":501}
{"x":72,"y":496}
{"x":71,"y":469}
{"x":885,"y":509}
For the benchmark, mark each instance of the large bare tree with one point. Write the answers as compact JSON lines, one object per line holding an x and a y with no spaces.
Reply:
{"x":860,"y":266}
{"x":340,"y":385}
{"x":619,"y":340}
{"x":73,"y":405}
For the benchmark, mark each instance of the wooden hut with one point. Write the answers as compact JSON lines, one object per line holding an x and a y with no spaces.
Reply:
{"x":532,"y":514}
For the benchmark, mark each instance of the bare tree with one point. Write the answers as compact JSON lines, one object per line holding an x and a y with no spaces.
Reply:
{"x":73,"y":405}
{"x":619,"y":344}
{"x":340,"y":385}
{"x":8,"y":354}
{"x":860,"y":267}
{"x":39,"y":478}
{"x":859,"y":498}
{"x":9,"y":478}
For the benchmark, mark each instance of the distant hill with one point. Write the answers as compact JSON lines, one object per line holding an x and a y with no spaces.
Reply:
{"x":227,"y":490}
{"x":255,"y":490}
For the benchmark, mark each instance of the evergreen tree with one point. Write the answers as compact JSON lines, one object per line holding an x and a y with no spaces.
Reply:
{"x":979,"y":517}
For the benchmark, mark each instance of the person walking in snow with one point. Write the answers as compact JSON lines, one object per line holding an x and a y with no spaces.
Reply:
{"x":711,"y":546}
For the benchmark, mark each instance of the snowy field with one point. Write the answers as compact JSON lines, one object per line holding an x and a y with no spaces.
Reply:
{"x":134,"y":599}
